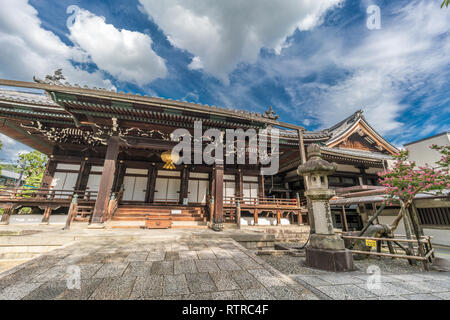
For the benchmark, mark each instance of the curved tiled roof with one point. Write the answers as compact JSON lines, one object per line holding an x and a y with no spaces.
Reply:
{"x":357,"y":153}
{"x":27,"y":97}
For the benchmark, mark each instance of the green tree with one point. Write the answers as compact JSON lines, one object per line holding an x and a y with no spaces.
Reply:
{"x":445,"y":3}
{"x":33,"y":166}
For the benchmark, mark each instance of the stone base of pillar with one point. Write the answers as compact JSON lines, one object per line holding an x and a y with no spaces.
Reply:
{"x":330,"y":260}
{"x":44,"y":223}
{"x":218,"y":227}
{"x":4,"y":223}
{"x":327,"y":242}
{"x":96,"y":226}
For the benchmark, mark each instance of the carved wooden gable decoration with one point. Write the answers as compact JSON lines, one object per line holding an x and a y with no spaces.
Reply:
{"x":362,"y":137}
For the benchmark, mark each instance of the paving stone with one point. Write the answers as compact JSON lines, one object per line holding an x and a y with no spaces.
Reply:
{"x":162,"y":267}
{"x":200,"y":282}
{"x":87,"y":287}
{"x":111,"y":270}
{"x":227,"y":265}
{"x":386,"y":289}
{"x":117,"y":257}
{"x":53,"y":274}
{"x":407,"y":277}
{"x":345,"y":292}
{"x":257,"y":294}
{"x":206,"y":265}
{"x":435,"y":276}
{"x":88,"y":270}
{"x":267,"y":278}
{"x":341,"y":279}
{"x":188,"y":255}
{"x":245,"y":280}
{"x":442,"y":295}
{"x":221,"y":253}
{"x":206,"y":254}
{"x":309,"y":296}
{"x":48,"y":291}
{"x":387,"y":298}
{"x":440,"y":284}
{"x":114,"y":289}
{"x":422,"y":286}
{"x":137,"y":256}
{"x":138,"y":269}
{"x":184,"y":266}
{"x":284,"y":293}
{"x":21,"y":275}
{"x":18,"y":291}
{"x":175,"y":285}
{"x":421,"y":296}
{"x":247,"y":263}
{"x":314,"y":281}
{"x":227,"y":295}
{"x":156,"y":256}
{"x":147,"y":287}
{"x":172,"y":255}
{"x":197,"y":296}
{"x":224,"y":281}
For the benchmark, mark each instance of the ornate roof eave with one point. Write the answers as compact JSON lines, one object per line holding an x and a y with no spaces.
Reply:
{"x":56,"y":86}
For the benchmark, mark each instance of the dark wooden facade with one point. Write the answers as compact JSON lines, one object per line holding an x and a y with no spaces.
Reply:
{"x":109,"y":143}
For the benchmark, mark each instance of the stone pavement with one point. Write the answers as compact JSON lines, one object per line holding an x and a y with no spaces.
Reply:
{"x":148,"y":269}
{"x":190,"y":264}
{"x":358,"y":286}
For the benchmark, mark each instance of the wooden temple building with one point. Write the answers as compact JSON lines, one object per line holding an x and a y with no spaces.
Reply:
{"x":106,"y":148}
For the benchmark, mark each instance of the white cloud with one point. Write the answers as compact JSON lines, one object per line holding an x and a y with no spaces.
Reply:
{"x":222,"y":34}
{"x":408,"y":57}
{"x":126,"y":55}
{"x":26,"y":49}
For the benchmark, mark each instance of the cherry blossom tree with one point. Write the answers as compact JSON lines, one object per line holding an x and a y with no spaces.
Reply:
{"x":405,"y":180}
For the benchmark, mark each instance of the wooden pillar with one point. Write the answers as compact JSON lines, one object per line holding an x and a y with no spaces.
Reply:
{"x":218,"y":195}
{"x":344,"y":219}
{"x":106,"y":182}
{"x":239,"y":185}
{"x":6,"y":215}
{"x":184,"y":184}
{"x":47,"y":179}
{"x":153,"y":174}
{"x":255,"y":216}
{"x":278,"y":217}
{"x":46,"y":217}
{"x":238,"y":214}
{"x":83,"y":176}
{"x":261,"y":187}
{"x":300,"y":218}
{"x":118,"y":182}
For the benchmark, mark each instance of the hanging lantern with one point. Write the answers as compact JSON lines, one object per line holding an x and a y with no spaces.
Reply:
{"x":169,"y":159}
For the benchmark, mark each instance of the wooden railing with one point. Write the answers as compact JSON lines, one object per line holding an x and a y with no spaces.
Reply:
{"x":264,"y":202}
{"x":114,"y":202}
{"x":32,"y":194}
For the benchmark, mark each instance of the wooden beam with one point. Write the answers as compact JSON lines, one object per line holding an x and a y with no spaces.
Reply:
{"x":106,"y":182}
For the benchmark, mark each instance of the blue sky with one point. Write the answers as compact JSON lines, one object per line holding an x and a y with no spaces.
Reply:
{"x":315,"y":62}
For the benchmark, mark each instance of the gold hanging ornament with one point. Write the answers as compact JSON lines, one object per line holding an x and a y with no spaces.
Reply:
{"x":169,"y":159}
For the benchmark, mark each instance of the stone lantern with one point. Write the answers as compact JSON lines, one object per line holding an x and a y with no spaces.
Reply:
{"x":326,"y":250}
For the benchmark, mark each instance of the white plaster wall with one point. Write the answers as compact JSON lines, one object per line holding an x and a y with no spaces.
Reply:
{"x":440,"y":236}
{"x":421,"y":153}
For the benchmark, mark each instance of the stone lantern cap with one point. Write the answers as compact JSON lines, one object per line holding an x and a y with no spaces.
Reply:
{"x":315,"y":163}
